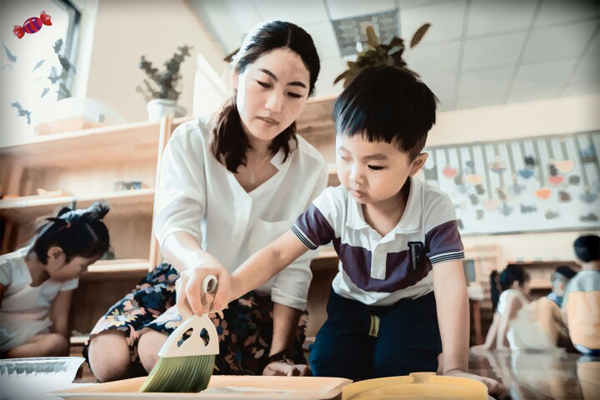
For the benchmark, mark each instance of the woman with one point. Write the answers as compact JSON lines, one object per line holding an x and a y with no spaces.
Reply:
{"x":228,"y":187}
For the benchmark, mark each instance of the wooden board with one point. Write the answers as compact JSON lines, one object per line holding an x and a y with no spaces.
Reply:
{"x":221,"y":387}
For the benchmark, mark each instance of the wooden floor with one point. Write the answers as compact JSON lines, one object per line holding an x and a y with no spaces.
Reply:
{"x":541,"y":375}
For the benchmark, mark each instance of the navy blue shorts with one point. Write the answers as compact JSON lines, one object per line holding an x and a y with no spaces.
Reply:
{"x":407,"y":339}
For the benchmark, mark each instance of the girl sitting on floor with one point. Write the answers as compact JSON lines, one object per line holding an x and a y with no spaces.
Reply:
{"x":37,"y":281}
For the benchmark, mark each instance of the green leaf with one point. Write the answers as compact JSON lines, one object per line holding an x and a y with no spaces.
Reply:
{"x":372,"y":38}
{"x":341,"y":76}
{"x":65,"y":90}
{"x":58,"y":45}
{"x":418,"y":36}
{"x":230,"y":56}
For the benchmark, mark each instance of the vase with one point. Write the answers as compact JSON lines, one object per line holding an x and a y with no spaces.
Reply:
{"x":159,"y":108}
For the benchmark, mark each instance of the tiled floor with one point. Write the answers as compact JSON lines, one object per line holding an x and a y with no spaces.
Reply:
{"x":541,"y":375}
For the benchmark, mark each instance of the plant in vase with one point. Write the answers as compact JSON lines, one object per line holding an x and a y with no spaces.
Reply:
{"x":377,"y":53}
{"x":163,"y":95}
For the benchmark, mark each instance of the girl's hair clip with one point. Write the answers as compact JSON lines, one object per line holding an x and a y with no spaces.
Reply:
{"x":68,"y":225}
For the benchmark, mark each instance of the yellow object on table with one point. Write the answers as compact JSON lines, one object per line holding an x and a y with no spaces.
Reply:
{"x":418,"y":385}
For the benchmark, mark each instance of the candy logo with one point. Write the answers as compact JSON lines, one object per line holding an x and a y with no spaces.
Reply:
{"x":32,"y":25}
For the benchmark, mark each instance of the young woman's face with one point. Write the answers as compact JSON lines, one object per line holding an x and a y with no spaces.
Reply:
{"x":271,"y":93}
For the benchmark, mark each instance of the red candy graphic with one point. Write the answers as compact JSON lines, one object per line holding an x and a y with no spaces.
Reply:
{"x":32,"y":25}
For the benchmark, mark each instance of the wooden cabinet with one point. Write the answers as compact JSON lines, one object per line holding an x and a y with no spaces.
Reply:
{"x":85,"y":166}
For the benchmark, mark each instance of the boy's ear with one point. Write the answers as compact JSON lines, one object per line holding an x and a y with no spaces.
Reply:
{"x":418,"y":163}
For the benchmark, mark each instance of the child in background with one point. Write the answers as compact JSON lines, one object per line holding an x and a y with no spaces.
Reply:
{"x":509,"y":291}
{"x":397,"y":239}
{"x":560,"y":279}
{"x":581,"y":302}
{"x":36,"y":282}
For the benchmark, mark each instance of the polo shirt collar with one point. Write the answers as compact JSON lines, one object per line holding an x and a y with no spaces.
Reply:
{"x":411,"y":218}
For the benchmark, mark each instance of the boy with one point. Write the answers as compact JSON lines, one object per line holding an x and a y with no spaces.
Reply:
{"x":391,"y":233}
{"x":560,"y":278}
{"x":581,"y":302}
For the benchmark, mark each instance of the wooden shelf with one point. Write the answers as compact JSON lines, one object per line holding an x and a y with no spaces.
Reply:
{"x":118,"y":269}
{"x":24,"y":209}
{"x":540,"y":284}
{"x":327,"y":259}
{"x":89,"y":146}
{"x":316,"y":116}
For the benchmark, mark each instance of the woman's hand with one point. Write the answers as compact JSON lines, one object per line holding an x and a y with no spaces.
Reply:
{"x":286,"y":368}
{"x":190,"y":297}
{"x":494,"y":387}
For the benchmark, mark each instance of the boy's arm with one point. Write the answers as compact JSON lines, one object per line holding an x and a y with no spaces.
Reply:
{"x":452,"y":302}
{"x":60,"y":313}
{"x":265,"y":264}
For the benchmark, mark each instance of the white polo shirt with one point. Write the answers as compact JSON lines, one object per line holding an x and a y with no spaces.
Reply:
{"x":379,"y":270}
{"x":198,"y":195}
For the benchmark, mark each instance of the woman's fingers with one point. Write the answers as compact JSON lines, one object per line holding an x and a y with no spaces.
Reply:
{"x":195,"y":295}
{"x":221,"y":298}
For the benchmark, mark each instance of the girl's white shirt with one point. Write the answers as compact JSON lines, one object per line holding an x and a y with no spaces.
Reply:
{"x":501,"y":309}
{"x":25,"y":310}
{"x":198,"y":195}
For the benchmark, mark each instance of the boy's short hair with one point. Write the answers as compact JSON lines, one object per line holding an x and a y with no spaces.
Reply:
{"x":387,"y":104}
{"x":587,"y":248}
{"x":563,"y":272}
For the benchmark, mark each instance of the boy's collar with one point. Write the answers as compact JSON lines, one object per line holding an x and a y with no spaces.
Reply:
{"x":411,"y":217}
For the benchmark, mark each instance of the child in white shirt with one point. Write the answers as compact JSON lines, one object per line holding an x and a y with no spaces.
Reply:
{"x":36,"y":282}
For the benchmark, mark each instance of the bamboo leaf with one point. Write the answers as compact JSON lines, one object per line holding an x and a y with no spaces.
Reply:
{"x":65,"y":90}
{"x":341,"y":76}
{"x":230,"y":56}
{"x":372,"y":38}
{"x":418,"y":36}
{"x":39,"y":64}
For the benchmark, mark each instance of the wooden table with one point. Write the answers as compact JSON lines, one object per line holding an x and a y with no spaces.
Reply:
{"x":541,"y":375}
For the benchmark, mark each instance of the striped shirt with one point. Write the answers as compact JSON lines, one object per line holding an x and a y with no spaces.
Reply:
{"x":379,"y":270}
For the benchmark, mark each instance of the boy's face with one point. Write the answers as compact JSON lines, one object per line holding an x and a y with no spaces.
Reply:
{"x":373,"y":172}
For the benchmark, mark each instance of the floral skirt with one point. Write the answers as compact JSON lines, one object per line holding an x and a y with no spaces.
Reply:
{"x":245,"y":332}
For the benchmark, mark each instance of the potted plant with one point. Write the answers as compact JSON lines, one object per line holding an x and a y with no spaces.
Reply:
{"x":162,"y":98}
{"x":378,"y":53}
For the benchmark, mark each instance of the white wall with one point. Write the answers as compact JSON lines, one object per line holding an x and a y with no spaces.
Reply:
{"x":557,"y":116}
{"x":125,"y":30}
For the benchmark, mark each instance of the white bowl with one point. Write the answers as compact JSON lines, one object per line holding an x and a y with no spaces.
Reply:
{"x":31,"y":377}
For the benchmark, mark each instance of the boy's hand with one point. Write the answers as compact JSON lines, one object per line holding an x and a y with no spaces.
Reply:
{"x":495,"y":389}
{"x":190,"y":297}
{"x":282,"y":368}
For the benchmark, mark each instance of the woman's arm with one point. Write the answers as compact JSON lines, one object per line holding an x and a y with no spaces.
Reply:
{"x":183,"y":251}
{"x":60,"y":313}
{"x":513,"y":304}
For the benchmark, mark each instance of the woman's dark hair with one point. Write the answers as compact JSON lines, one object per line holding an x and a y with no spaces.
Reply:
{"x":229,"y":141}
{"x":387,"y":104}
{"x":79,"y":233}
{"x":587,"y":248}
{"x":499,"y":282}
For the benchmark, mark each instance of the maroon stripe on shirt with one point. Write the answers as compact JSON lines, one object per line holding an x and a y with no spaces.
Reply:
{"x":399,"y":274}
{"x":442,"y":239}
{"x":315,"y":226}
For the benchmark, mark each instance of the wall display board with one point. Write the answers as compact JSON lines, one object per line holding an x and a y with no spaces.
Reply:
{"x":532,"y":184}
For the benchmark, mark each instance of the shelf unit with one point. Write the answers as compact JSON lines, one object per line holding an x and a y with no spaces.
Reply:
{"x":86,"y":164}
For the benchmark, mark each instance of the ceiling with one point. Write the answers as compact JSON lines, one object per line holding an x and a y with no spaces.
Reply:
{"x":476,"y":53}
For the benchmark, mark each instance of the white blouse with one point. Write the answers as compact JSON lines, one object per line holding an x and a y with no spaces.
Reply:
{"x":198,"y":195}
